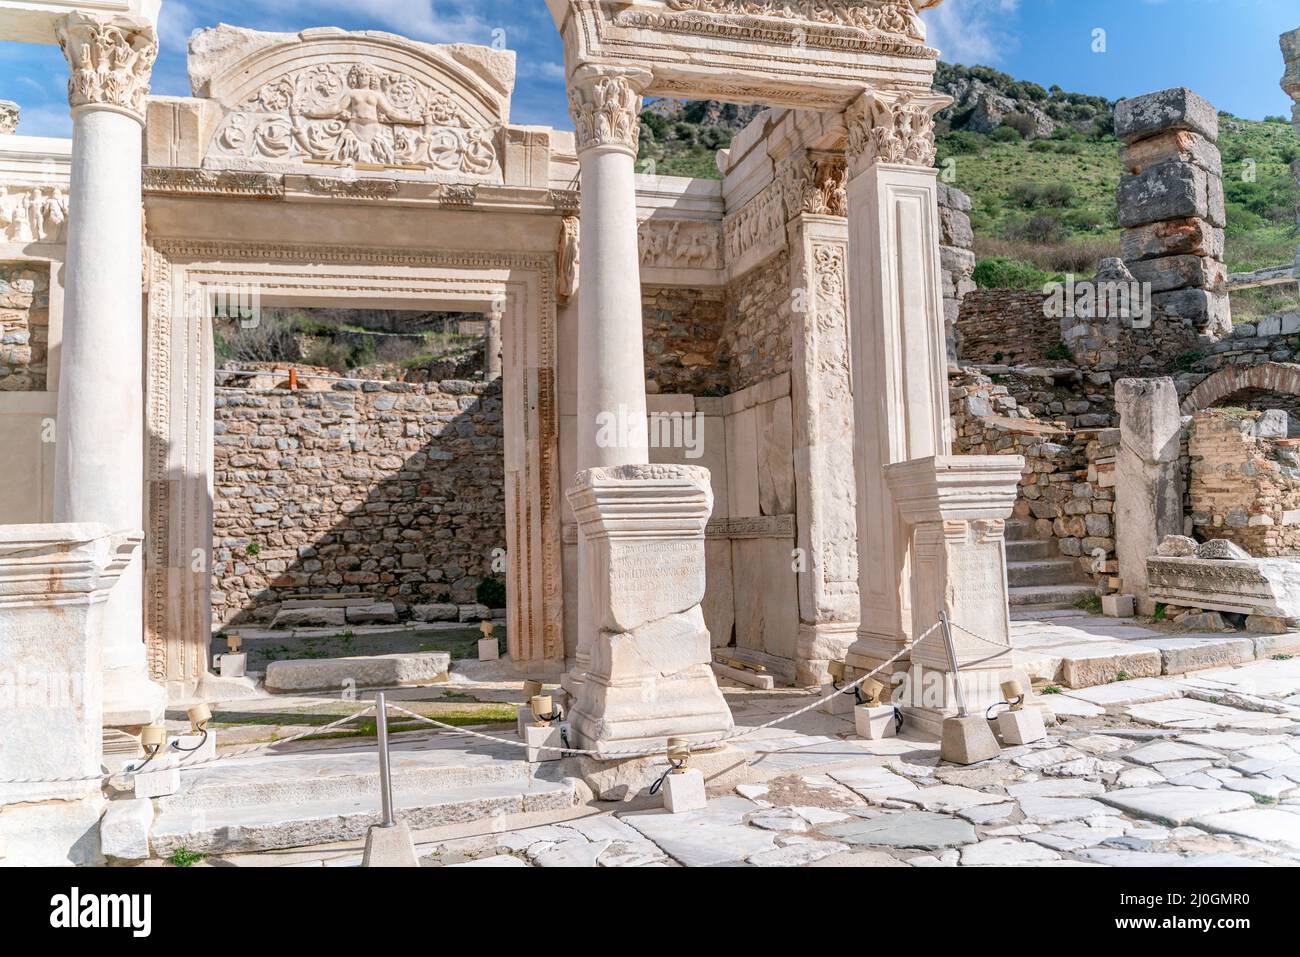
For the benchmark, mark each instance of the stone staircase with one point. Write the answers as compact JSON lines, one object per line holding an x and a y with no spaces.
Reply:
{"x":1039,"y":577}
{"x":328,"y":792}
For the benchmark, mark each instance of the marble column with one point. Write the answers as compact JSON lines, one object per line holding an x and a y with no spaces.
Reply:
{"x":606,"y":109}
{"x":898,"y":356}
{"x":492,"y":368}
{"x":99,"y":457}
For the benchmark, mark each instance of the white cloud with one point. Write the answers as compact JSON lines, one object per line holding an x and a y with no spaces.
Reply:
{"x":972,"y":31}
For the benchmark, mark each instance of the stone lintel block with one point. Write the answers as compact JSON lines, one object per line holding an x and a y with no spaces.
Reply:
{"x":1188,"y":236}
{"x":1139,"y":117}
{"x":1182,"y":146}
{"x":1021,"y":727}
{"x":1169,"y":190}
{"x":1167,"y":273}
{"x":684,"y":791}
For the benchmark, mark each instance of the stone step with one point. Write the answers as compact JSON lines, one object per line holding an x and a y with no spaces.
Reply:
{"x":1048,"y":596}
{"x":301,"y":824}
{"x":1018,"y":530}
{"x":1055,"y":571}
{"x":1032,"y":549}
{"x":309,"y":772}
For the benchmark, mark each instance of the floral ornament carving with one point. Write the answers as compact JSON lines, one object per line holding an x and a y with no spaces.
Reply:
{"x":894,"y":17}
{"x":893,"y":129}
{"x":110,"y":60}
{"x":816,"y":183}
{"x":606,"y":111}
{"x":356,"y":115}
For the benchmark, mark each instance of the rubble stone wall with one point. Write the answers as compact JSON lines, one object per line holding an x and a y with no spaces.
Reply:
{"x":756,"y":337}
{"x":24,"y":325}
{"x":386,"y":489}
{"x":683,"y":348}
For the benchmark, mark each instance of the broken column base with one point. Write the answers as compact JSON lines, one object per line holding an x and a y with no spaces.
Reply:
{"x":967,"y":740}
{"x":390,"y":846}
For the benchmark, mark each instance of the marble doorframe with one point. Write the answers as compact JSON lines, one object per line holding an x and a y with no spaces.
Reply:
{"x":179,"y":416}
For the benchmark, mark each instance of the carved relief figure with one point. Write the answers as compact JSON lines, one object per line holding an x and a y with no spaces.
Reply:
{"x":680,"y":243}
{"x":566,"y":273}
{"x":33,"y":213}
{"x":357,"y":114}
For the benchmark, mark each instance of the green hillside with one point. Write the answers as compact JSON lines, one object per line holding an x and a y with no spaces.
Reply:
{"x":1041,"y":167}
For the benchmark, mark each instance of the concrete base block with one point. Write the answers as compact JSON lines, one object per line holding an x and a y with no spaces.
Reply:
{"x":206,"y":750}
{"x":523,"y":718}
{"x":124,"y":829}
{"x":874,"y":723}
{"x":234,"y":665}
{"x":968,"y":740}
{"x":538,"y":738}
{"x":840,"y":704}
{"x":159,"y":783}
{"x":684,"y":791}
{"x":389,"y":847}
{"x":1021,"y":727}
{"x":488,"y":649}
{"x":1118,"y":606}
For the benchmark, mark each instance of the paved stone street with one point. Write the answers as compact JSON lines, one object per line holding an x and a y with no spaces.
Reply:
{"x":1197,"y":770}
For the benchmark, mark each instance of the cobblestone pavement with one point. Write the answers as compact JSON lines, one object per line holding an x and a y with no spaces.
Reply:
{"x":1196,"y":770}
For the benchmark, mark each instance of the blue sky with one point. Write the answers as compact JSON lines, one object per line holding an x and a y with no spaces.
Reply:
{"x":1227,"y":50}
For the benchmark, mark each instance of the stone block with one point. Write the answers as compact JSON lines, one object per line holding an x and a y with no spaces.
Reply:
{"x":1139,"y":117}
{"x":124,"y":829}
{"x":475,"y":612}
{"x":194,"y":748}
{"x":1192,"y":236}
{"x":1181,"y":146}
{"x":1177,"y":546}
{"x":389,"y":847}
{"x":1266,"y":625}
{"x":307,"y":617}
{"x":543,"y":743}
{"x":684,"y":791}
{"x":523,"y":718}
{"x":1205,"y":311}
{"x":1221,"y":549}
{"x":1162,"y":192}
{"x":374,"y":671}
{"x":840,"y":703}
{"x":1178,"y":272}
{"x":876,"y":723}
{"x":234,"y":665}
{"x":967,"y":740}
{"x":436,"y":612}
{"x":1021,"y":727}
{"x":1105,"y":667}
{"x":1118,"y":606}
{"x":378,"y":613}
{"x":157,"y":783}
{"x":488,"y":649}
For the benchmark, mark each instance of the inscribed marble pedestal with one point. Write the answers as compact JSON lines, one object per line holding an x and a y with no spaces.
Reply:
{"x":650,"y":675}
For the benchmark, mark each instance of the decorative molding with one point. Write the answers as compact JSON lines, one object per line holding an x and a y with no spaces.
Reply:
{"x":680,"y":244}
{"x":458,"y":194}
{"x":606,"y":109}
{"x":893,"y":128}
{"x":111,"y":60}
{"x":760,"y":220}
{"x":203,"y":182}
{"x":352,"y":188}
{"x":32,"y":213}
{"x":567,"y":201}
{"x":888,"y":17}
{"x":355,"y":114}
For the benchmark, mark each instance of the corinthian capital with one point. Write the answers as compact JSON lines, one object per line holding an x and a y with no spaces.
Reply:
{"x":110,"y":59}
{"x":606,"y":108}
{"x":892,"y":127}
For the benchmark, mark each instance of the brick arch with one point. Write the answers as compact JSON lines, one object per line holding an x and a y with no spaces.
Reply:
{"x":1270,"y":376}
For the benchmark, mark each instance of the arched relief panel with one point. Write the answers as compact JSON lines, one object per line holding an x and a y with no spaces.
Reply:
{"x":179,"y":417}
{"x":364,"y":101}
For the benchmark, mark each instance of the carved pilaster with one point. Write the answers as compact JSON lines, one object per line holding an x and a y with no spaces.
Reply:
{"x":889,"y":127}
{"x":111,"y":60}
{"x":606,"y":109}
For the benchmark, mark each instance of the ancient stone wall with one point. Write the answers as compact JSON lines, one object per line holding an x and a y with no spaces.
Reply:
{"x":683,"y":349}
{"x":956,"y":260}
{"x":385,"y":489}
{"x":24,"y":325}
{"x":1245,"y":481}
{"x":1007,"y":326}
{"x":756,"y":337}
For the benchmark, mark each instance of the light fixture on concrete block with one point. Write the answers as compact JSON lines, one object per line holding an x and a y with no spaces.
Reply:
{"x":488,"y":649}
{"x":234,"y":663}
{"x":1118,"y":606}
{"x":1018,"y":724}
{"x":524,"y":714}
{"x":683,"y":786}
{"x":839,"y":701}
{"x":544,"y":739}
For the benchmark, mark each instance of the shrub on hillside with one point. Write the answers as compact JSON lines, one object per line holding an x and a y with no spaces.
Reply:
{"x":1006,"y":134}
{"x":1002,"y":273}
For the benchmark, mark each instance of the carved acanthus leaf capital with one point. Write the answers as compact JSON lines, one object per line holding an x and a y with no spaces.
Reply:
{"x":111,"y":60}
{"x":891,"y":127}
{"x":606,"y":108}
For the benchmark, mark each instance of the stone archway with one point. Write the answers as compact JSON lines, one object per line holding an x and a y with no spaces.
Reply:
{"x":1266,"y":377}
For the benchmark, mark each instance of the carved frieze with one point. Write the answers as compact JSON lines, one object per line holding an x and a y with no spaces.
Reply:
{"x":606,"y":111}
{"x":682,"y":244}
{"x":351,"y":187}
{"x":893,"y":17}
{"x":357,"y":115}
{"x":110,"y":60}
{"x":760,"y":220}
{"x":165,"y":179}
{"x":33,"y":213}
{"x":893,"y":128}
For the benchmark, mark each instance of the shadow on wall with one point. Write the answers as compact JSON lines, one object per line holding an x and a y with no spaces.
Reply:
{"x":391,"y":490}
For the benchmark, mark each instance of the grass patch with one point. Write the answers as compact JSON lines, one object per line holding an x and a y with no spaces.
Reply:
{"x":1162,"y":612}
{"x":1090,"y":604}
{"x":1052,"y":689}
{"x":184,"y":857}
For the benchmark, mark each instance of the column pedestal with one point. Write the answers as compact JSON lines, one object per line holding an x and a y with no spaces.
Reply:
{"x":54,"y":582}
{"x":956,"y":508}
{"x":650,"y":676}
{"x":99,"y":450}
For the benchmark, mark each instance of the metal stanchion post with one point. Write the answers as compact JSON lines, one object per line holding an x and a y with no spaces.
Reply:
{"x":385,"y":775}
{"x":388,"y":843}
{"x":967,"y":738}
